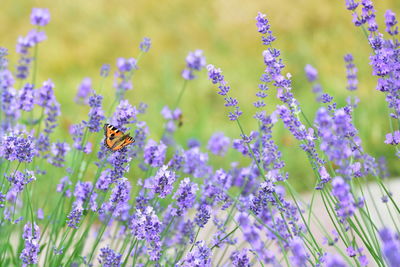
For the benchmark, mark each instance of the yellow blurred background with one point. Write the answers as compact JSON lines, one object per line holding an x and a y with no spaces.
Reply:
{"x":82,"y":35}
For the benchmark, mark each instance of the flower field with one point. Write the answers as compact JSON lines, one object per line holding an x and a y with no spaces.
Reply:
{"x":111,"y":191}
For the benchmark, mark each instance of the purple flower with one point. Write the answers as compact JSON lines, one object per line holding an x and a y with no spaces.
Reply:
{"x":215,"y":75}
{"x":352,"y":81}
{"x":125,"y":113}
{"x":145,"y":44}
{"x":6,"y":79}
{"x":192,"y":143}
{"x":311,"y":73}
{"x":96,"y":114}
{"x":195,"y":163}
{"x":363,"y":260}
{"x":18,"y":181}
{"x":351,"y":4}
{"x":119,"y":161}
{"x":393,"y":138}
{"x":30,"y":233}
{"x":185,"y":196}
{"x":120,"y":195}
{"x":340,"y":142}
{"x":59,"y":150}
{"x":109,"y":258}
{"x":26,"y":97}
{"x":217,"y":78}
{"x":123,"y":76}
{"x":173,"y":117}
{"x":3,"y":58}
{"x":40,"y":214}
{"x":240,"y":258}
{"x":264,"y":27}
{"x":390,"y":20}
{"x":351,"y":252}
{"x":126,"y":65}
{"x":51,"y":112}
{"x":74,"y":218}
{"x":383,"y":168}
{"x":176,"y":161}
{"x":105,"y":70}
{"x":334,"y":261}
{"x":9,"y":101}
{"x":300,"y":255}
{"x":40,"y":16}
{"x":82,"y":193}
{"x":16,"y":147}
{"x":195,"y":61}
{"x":24,"y":44}
{"x":29,"y":254}
{"x":104,"y":181}
{"x":218,"y":144}
{"x":213,"y":189}
{"x":2,"y":200}
{"x":346,"y":206}
{"x":200,"y":256}
{"x":289,"y":113}
{"x":203,"y":215}
{"x":163,"y":182}
{"x":45,"y":94}
{"x":145,"y":225}
{"x":154,"y":154}
{"x":76,"y":130}
{"x":84,"y":90}
{"x":251,"y":235}
{"x":64,"y":186}
{"x":325,"y":177}
{"x":390,"y":247}
{"x":292,"y":122}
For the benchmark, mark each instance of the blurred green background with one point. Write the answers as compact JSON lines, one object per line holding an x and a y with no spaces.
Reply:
{"x":82,"y":35}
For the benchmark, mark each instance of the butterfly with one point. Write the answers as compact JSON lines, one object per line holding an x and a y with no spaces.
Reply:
{"x":115,"y":139}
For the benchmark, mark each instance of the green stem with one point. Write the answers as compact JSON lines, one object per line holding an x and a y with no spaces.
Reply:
{"x":178,"y":100}
{"x":129,"y":251}
{"x":35,"y":60}
{"x":99,"y":236}
{"x":195,"y":238}
{"x":226,"y":236}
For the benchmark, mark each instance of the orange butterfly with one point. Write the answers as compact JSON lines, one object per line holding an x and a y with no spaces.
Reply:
{"x":115,"y":139}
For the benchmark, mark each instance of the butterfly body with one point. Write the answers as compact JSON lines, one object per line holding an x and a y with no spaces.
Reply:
{"x":115,"y":139}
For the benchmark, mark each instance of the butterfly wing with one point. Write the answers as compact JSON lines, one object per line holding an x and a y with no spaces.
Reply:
{"x":112,"y":135}
{"x":122,"y":142}
{"x":115,"y":139}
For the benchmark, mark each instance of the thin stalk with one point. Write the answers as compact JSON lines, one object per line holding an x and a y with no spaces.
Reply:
{"x":178,"y":100}
{"x":99,"y":238}
{"x":226,"y":236}
{"x":195,"y":238}
{"x":129,"y":251}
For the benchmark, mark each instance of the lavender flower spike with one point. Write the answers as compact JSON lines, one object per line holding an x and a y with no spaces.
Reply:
{"x":215,"y":75}
{"x":145,"y":44}
{"x":195,"y":61}
{"x":109,"y":258}
{"x":29,"y":254}
{"x":185,"y":196}
{"x":390,"y":247}
{"x":40,"y":16}
{"x":84,"y":90}
{"x":311,"y":73}
{"x":218,"y":144}
{"x":163,"y":181}
{"x":352,"y":81}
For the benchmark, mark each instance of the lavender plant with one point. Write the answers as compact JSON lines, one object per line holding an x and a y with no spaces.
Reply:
{"x":181,"y":209}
